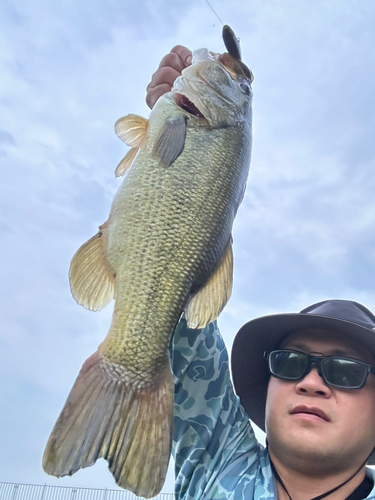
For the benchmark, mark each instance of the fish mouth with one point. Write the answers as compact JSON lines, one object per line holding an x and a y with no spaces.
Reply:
{"x":184,"y":103}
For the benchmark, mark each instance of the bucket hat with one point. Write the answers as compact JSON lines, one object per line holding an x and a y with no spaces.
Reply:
{"x":249,"y":368}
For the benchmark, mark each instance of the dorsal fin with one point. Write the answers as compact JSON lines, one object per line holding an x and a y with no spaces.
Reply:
{"x":126,"y":162}
{"x":132,"y":130}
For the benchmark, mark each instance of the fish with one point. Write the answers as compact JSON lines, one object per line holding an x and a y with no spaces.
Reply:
{"x":164,"y":252}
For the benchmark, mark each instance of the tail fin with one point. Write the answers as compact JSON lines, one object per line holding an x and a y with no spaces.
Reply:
{"x":105,"y":417}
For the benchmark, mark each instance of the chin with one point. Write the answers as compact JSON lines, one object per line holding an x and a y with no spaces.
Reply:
{"x":306,"y":451}
{"x":308,"y":455}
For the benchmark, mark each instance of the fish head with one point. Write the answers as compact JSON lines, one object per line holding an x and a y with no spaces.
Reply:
{"x":215,"y":89}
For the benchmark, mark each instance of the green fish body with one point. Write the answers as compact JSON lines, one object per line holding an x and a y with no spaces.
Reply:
{"x":165,"y":249}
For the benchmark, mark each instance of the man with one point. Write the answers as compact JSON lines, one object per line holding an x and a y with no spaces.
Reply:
{"x":307,"y":379}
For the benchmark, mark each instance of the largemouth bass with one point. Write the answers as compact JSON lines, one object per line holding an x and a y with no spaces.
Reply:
{"x":165,"y":250}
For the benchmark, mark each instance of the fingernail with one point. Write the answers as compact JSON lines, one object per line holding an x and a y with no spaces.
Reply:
{"x":188,"y":60}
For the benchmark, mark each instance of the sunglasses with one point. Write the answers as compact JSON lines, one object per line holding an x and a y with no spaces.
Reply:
{"x":337,"y":371}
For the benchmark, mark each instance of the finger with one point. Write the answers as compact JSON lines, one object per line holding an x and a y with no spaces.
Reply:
{"x":173,"y":61}
{"x":170,"y":68}
{"x":178,"y":58}
{"x":163,"y":75}
{"x":154,"y":93}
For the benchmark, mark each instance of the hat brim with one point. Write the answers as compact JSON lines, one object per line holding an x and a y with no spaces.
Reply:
{"x":249,"y":368}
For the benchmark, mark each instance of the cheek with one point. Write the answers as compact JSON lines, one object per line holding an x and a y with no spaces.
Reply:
{"x":365,"y":409}
{"x":276,"y":398}
{"x":360,"y":408}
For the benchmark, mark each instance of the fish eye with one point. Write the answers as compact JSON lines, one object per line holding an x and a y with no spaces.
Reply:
{"x":245,"y":88}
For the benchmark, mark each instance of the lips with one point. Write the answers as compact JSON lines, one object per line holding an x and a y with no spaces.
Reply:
{"x":310,"y":410}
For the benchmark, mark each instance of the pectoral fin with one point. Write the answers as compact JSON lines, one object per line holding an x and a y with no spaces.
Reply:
{"x":126,"y":162}
{"x":91,"y":281}
{"x":132,"y":130}
{"x":171,"y":141}
{"x":210,"y":300}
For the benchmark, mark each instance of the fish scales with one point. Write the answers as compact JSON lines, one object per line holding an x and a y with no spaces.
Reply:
{"x":165,"y":249}
{"x":187,"y":227}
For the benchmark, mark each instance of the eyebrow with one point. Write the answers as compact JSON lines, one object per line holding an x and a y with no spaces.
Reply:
{"x":335,"y":352}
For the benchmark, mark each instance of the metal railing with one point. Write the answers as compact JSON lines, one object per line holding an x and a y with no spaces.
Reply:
{"x":16,"y":491}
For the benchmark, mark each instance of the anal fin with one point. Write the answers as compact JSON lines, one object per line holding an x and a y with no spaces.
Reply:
{"x":91,"y":281}
{"x":206,"y":305}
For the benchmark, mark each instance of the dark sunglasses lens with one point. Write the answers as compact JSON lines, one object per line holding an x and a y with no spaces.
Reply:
{"x":344,"y":372}
{"x":288,"y":365}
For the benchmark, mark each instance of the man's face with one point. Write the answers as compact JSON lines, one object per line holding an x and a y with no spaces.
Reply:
{"x":312,"y":425}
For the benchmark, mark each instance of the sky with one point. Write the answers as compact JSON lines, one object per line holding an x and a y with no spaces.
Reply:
{"x":305,"y":231}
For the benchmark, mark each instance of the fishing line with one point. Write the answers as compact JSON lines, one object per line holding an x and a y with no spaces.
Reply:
{"x":213,"y":10}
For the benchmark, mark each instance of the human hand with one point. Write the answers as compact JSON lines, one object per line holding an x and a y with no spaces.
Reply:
{"x":169,"y":69}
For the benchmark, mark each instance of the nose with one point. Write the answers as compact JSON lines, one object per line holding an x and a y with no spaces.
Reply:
{"x":313,"y":385}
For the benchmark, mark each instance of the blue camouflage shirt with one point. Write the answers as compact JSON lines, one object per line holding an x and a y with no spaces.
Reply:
{"x":217,"y":455}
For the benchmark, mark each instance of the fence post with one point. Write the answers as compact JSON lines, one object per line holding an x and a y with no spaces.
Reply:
{"x":15,"y":491}
{"x":43,"y":491}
